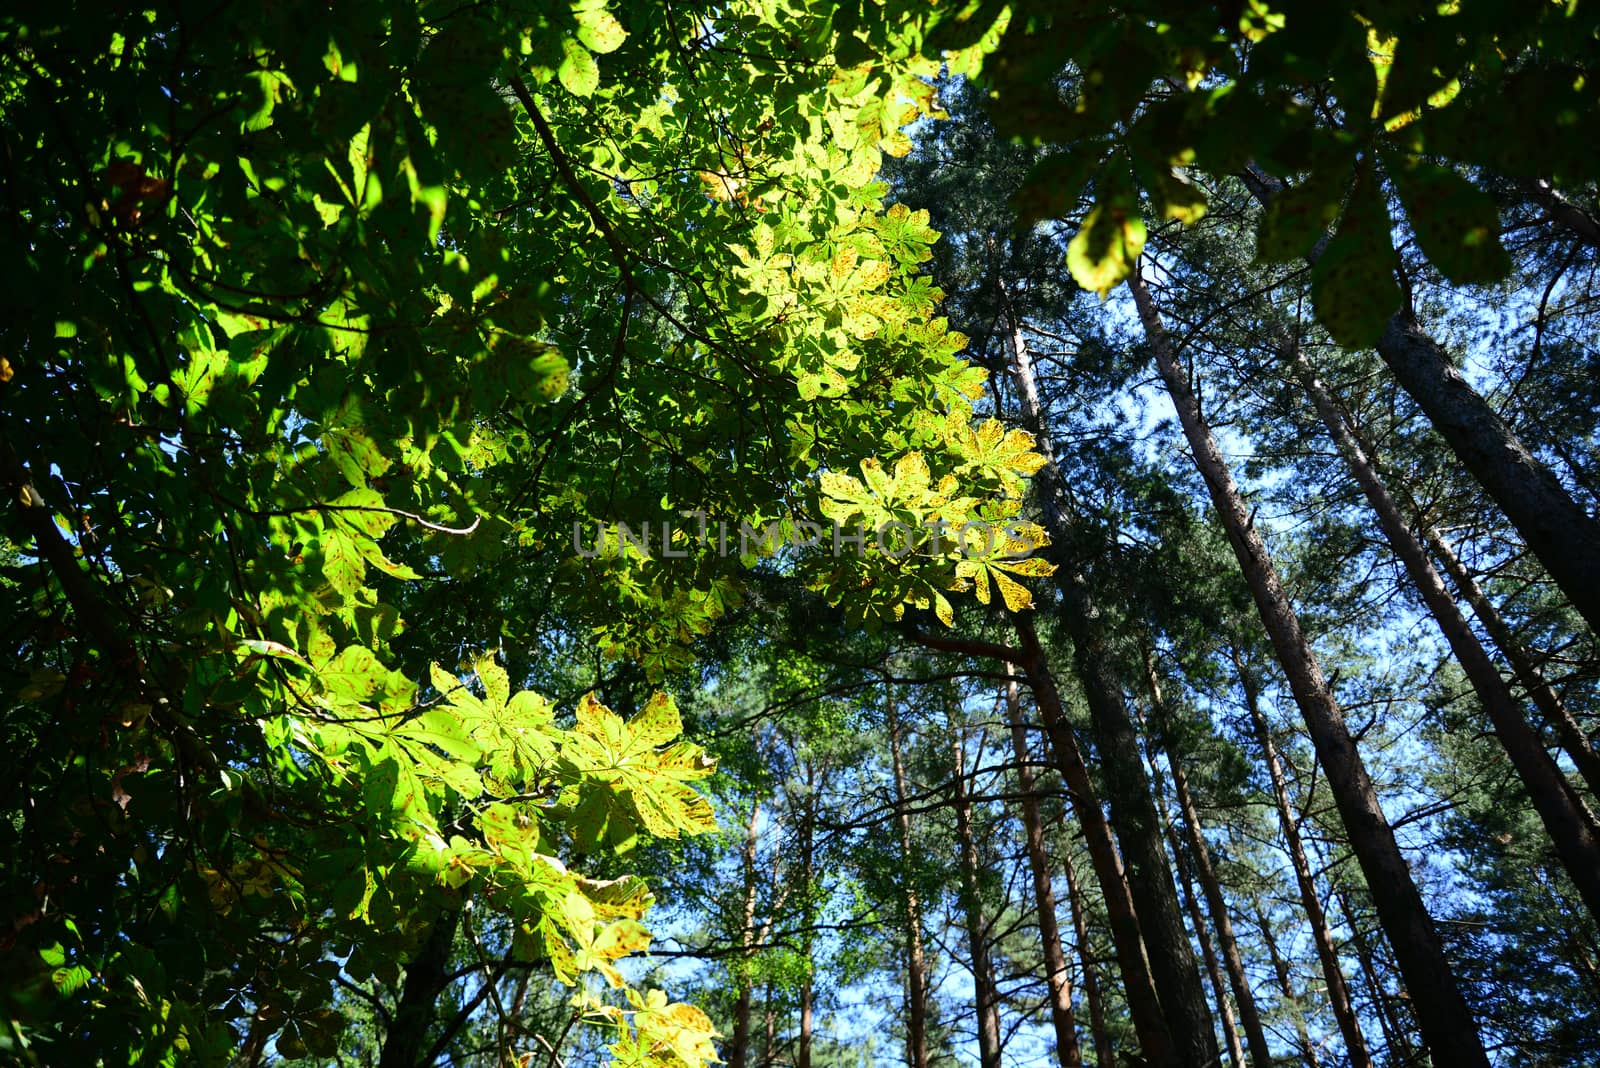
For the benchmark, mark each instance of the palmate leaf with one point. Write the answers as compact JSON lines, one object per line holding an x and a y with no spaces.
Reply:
{"x":516,"y":733}
{"x":597,"y":943}
{"x":1353,"y":286}
{"x":622,"y":783}
{"x":665,"y":1035}
{"x":1106,"y":249}
{"x":994,"y":452}
{"x":1456,"y":223}
{"x":1002,"y":558}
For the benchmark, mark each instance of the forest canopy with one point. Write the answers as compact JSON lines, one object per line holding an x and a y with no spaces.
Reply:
{"x":794,"y":533}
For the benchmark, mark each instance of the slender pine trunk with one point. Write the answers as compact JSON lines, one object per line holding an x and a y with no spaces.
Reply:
{"x":1555,"y":527}
{"x":1564,"y":537}
{"x":1280,"y":969}
{"x":1442,"y":1013}
{"x":1344,"y":1012}
{"x":769,"y":1048}
{"x":1057,"y":977}
{"x":1566,"y":819}
{"x":1208,"y":954}
{"x":1150,"y":1025}
{"x":1396,"y":1028}
{"x":916,"y":962}
{"x":808,"y":871}
{"x":1206,"y":874}
{"x":738,"y":1049}
{"x":1574,"y":740}
{"x":986,"y":994}
{"x":1104,"y":1055}
{"x":1149,"y":870}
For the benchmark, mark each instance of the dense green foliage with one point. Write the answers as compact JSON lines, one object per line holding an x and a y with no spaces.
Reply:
{"x":427,"y":431}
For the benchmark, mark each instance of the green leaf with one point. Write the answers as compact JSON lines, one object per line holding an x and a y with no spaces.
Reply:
{"x":599,"y":30}
{"x":342,"y":563}
{"x":578,"y":71}
{"x":1297,"y":218}
{"x":357,"y":455}
{"x":68,"y":981}
{"x":354,"y":675}
{"x":1353,"y":286}
{"x":1456,"y":223}
{"x":441,"y":728}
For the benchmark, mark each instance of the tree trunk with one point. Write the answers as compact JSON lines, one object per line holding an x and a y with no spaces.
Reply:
{"x":808,"y":820}
{"x":916,"y":964}
{"x":1551,"y":522}
{"x":1578,"y":222}
{"x":1208,"y":955}
{"x":1344,"y":1012}
{"x":738,"y":1049}
{"x":1566,"y":819}
{"x":1057,"y":977}
{"x":1396,"y":1030}
{"x":1172,"y":961}
{"x":768,"y":1050}
{"x":1442,"y":1013}
{"x":426,"y":978}
{"x":987,"y":996}
{"x":1104,"y":1055}
{"x":1205,"y":872}
{"x":1280,"y":968}
{"x":1556,"y":528}
{"x":1574,"y":740}
{"x":1149,"y":1023}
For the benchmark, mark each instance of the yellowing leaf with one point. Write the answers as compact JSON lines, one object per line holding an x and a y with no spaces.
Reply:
{"x":1106,"y":250}
{"x":600,"y":31}
{"x":578,"y":71}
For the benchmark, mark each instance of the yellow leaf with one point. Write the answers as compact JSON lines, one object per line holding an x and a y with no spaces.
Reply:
{"x":1015,"y":594}
{"x":844,"y":261}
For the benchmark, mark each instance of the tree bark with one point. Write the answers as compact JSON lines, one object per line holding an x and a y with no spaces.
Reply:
{"x":1574,"y":740}
{"x":987,"y":995}
{"x":1208,"y":954}
{"x":1057,"y":977}
{"x":1104,"y":1055}
{"x":738,"y":1049}
{"x":808,"y":820}
{"x":916,"y":963}
{"x":1144,"y":1005}
{"x":1280,"y":968}
{"x":1210,"y":885}
{"x":426,"y":978}
{"x":1396,"y":1030}
{"x":1442,"y":1013}
{"x":1566,"y":819}
{"x":1556,"y":528}
{"x":1172,"y":961}
{"x":1344,"y":1012}
{"x":1578,"y":222}
{"x":768,"y":1050}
